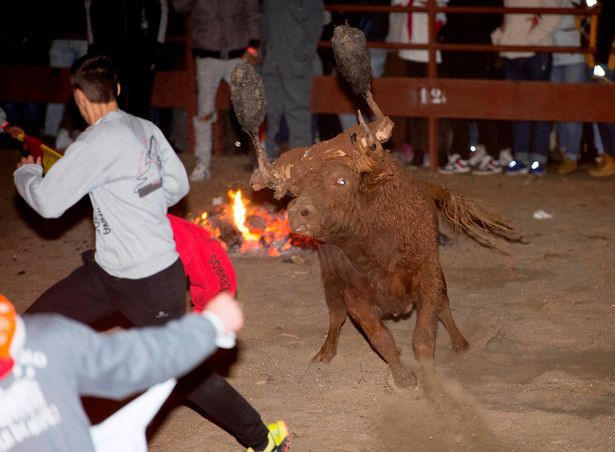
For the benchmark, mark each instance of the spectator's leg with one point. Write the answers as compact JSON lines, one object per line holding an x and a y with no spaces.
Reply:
{"x":298,"y":89}
{"x":272,"y":80}
{"x":488,"y":136}
{"x":514,"y":69}
{"x":539,"y":69}
{"x":570,"y":133}
{"x":209,"y":72}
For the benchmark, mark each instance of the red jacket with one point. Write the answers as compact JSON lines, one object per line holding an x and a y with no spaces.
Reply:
{"x":207,"y":265}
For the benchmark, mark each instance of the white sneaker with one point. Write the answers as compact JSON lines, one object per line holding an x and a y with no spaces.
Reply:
{"x":477,"y":154}
{"x":455,"y":165}
{"x":488,"y":166}
{"x":505,"y":157}
{"x":199,"y":173}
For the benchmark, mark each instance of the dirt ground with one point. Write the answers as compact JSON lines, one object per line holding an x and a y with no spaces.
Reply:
{"x":540,"y":373}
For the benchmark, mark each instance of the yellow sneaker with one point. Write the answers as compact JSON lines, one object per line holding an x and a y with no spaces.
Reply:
{"x":605,"y":168}
{"x":279,"y":440}
{"x":568,"y":166}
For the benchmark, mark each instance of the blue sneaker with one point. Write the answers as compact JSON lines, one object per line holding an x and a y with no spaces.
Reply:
{"x":537,"y":169}
{"x":516,"y":167}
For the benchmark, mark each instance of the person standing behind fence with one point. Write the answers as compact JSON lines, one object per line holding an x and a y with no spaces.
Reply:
{"x":68,"y":45}
{"x":224,"y":33}
{"x":530,"y":144}
{"x":568,"y":68}
{"x":291,"y":31}
{"x":471,"y":29}
{"x":131,"y":33}
{"x":605,"y":69}
{"x":413,"y":28}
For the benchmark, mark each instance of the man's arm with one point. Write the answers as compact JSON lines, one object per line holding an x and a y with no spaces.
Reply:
{"x":70,"y":178}
{"x":116,"y":365}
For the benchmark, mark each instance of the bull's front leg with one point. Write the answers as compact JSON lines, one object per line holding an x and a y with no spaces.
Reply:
{"x":337,"y":316}
{"x":381,"y":338}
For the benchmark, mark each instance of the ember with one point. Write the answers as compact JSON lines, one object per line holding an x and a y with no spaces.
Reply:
{"x":254,"y":230}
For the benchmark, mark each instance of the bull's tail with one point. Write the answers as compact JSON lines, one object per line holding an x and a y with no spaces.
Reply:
{"x":472,"y":218}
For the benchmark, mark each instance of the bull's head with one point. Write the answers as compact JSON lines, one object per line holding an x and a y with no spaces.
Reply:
{"x":328,"y":173}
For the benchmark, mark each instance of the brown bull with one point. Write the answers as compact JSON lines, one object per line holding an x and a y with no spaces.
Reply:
{"x":376,"y":224}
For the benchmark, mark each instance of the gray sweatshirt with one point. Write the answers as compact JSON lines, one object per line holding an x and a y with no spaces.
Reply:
{"x":132,"y":175}
{"x":61,"y":360}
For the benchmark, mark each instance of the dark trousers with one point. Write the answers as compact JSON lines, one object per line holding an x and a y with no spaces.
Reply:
{"x":89,"y":294}
{"x":607,"y":130}
{"x":530,"y":138}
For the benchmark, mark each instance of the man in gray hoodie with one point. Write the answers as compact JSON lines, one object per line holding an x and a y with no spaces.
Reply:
{"x":132,"y":175}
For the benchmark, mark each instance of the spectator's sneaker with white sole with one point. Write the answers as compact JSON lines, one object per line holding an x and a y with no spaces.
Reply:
{"x":199,"y":173}
{"x":515,"y":168}
{"x":537,"y":168}
{"x":455,"y":165}
{"x":477,"y":155}
{"x":505,"y":157}
{"x":487,"y":167}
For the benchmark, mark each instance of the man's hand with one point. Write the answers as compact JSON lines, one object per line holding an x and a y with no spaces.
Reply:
{"x":29,"y":160}
{"x":226,"y":308}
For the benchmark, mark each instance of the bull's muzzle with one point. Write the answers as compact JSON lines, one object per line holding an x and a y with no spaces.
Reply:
{"x":300,"y":216}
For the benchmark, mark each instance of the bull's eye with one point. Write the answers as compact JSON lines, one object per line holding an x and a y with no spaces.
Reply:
{"x":341,"y":181}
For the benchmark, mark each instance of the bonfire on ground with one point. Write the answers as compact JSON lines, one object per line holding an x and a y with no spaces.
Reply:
{"x":244,"y":228}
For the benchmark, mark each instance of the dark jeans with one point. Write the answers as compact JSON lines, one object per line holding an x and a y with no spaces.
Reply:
{"x":607,"y":130}
{"x":487,"y":135}
{"x":90,"y":294}
{"x":530,"y":138}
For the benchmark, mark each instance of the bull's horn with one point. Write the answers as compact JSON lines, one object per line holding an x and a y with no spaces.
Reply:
{"x":362,"y":122}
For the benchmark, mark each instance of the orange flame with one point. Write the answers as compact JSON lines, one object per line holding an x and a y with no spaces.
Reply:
{"x":239,"y":216}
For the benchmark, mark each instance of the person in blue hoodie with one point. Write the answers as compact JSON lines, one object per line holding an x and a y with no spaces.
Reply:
{"x":47,"y":362}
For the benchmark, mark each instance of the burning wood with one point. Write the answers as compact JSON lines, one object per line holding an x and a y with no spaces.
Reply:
{"x":252,"y":230}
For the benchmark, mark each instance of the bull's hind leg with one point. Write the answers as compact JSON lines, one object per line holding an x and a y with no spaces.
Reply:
{"x":458,"y":342}
{"x":337,"y":316}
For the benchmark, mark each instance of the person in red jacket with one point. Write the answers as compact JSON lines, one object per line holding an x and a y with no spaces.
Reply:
{"x":207,"y":265}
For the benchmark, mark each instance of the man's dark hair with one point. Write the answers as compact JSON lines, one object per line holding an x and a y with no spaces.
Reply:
{"x":95,"y":75}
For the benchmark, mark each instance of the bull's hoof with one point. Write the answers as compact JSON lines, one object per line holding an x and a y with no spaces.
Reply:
{"x":323,"y":356}
{"x":403,"y":377}
{"x":460,"y":345}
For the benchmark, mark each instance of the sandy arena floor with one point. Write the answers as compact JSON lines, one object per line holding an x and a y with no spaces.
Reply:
{"x":540,"y":373}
